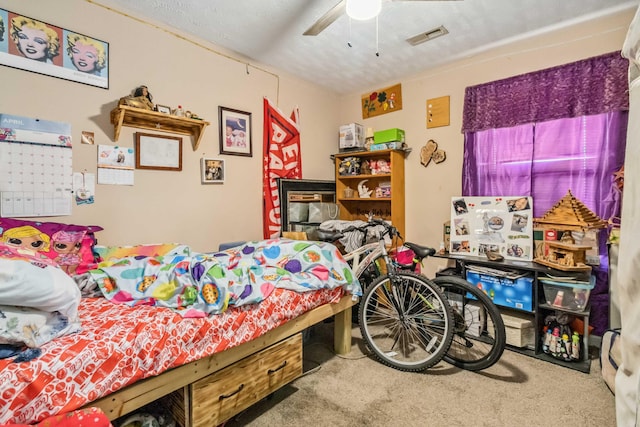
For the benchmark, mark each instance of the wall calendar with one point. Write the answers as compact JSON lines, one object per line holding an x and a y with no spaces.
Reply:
{"x":36,"y":178}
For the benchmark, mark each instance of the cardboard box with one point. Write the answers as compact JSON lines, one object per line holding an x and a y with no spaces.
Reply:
{"x":504,"y":291}
{"x":386,"y":146}
{"x":388,"y":135}
{"x":351,"y":136}
{"x":519,"y":328}
{"x":474,"y":317}
{"x":474,"y":314}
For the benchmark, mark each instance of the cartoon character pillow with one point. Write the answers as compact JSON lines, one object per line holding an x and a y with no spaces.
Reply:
{"x":70,"y":246}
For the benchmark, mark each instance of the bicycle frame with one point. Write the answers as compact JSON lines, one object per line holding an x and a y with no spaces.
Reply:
{"x":373,"y":250}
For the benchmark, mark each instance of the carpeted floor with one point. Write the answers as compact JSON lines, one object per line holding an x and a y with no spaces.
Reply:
{"x":358,"y":391}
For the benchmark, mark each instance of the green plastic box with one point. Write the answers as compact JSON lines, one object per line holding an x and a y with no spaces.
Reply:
{"x":388,"y":135}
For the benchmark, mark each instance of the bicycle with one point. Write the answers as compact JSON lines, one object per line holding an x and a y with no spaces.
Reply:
{"x":477,"y":343}
{"x":475,"y":346}
{"x":405,"y":319}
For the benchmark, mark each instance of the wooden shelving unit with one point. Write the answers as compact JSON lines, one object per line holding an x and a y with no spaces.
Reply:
{"x":390,"y":208}
{"x":152,"y":120}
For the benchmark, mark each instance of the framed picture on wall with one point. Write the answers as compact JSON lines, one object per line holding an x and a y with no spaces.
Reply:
{"x":163,"y":109}
{"x":57,"y":52}
{"x":212,"y":171}
{"x":235,"y":132}
{"x":159,"y":152}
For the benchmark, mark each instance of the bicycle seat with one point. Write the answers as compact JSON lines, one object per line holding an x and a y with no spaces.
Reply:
{"x":420,"y":251}
{"x":328,"y":235}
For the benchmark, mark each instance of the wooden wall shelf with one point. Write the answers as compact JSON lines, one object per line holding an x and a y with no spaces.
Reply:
{"x":152,"y":120}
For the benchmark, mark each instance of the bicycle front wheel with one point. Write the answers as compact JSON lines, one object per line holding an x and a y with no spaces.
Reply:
{"x":477,"y":343}
{"x":406,"y":321}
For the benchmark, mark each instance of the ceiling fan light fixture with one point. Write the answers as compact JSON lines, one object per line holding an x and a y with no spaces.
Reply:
{"x":363,"y":9}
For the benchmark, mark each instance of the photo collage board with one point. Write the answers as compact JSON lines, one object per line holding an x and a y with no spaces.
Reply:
{"x":495,"y":224}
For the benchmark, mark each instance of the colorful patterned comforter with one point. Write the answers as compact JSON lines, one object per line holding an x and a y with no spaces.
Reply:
{"x":164,"y":322}
{"x":203,"y":284}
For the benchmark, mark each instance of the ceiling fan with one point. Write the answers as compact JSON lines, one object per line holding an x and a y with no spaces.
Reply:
{"x":356,"y":9}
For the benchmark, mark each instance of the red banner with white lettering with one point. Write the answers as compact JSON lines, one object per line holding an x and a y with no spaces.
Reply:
{"x":281,"y":159}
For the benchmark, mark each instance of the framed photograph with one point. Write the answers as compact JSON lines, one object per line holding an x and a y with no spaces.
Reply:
{"x":163,"y":109}
{"x":158,"y":152}
{"x":235,"y":132}
{"x":212,"y":171}
{"x":58,"y":52}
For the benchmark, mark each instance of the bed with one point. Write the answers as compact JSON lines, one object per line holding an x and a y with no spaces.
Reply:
{"x":206,"y":363}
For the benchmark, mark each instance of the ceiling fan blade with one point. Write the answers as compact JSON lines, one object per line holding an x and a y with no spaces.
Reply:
{"x":327,"y":19}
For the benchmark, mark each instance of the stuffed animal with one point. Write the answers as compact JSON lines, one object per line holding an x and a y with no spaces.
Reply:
{"x":379,"y":166}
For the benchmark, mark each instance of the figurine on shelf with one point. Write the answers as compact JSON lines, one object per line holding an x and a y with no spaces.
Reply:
{"x":178,"y":111}
{"x":364,"y":168}
{"x":363,"y":191}
{"x":141,"y":98}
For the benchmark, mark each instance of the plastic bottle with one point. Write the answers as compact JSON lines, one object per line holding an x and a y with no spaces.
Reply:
{"x":575,"y":346}
{"x":566,"y":347}
{"x":555,"y":342}
{"x":547,"y":339}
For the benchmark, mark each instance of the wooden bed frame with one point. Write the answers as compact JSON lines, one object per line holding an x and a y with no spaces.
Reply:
{"x":151,"y":389}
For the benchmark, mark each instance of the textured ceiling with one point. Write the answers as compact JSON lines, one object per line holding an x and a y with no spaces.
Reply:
{"x":270,"y":32}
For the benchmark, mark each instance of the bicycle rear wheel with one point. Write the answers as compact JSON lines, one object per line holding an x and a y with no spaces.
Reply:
{"x":473,"y":348}
{"x":406,"y":321}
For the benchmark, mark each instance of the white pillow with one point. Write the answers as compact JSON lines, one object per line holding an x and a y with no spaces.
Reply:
{"x":45,"y":288}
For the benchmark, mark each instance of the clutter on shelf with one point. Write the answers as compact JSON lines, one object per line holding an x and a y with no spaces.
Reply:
{"x":349,"y":166}
{"x":558,"y":338}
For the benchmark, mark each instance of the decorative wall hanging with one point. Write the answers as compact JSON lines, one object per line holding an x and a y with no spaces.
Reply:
{"x":438,"y":112}
{"x":382,"y":101}
{"x":32,"y":45}
{"x":235,"y":132}
{"x":431,"y":152}
{"x":212,"y":171}
{"x":158,"y":152}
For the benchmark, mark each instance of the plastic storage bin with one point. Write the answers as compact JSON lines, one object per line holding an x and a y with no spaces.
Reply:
{"x":514,"y":293}
{"x":570,"y":296}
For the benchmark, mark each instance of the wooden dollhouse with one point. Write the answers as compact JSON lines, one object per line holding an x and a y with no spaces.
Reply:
{"x":568,"y":215}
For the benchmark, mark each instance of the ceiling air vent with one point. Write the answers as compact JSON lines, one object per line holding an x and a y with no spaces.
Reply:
{"x":429,"y":35}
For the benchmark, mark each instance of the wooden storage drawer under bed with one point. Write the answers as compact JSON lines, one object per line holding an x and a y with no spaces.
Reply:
{"x":221,"y":395}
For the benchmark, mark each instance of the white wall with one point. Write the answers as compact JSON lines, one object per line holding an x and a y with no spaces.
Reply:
{"x":167,"y":206}
{"x":429,"y":190}
{"x":174,"y":206}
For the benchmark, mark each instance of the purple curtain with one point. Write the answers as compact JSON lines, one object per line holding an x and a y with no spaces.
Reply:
{"x":547,"y":132}
{"x":591,"y":86}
